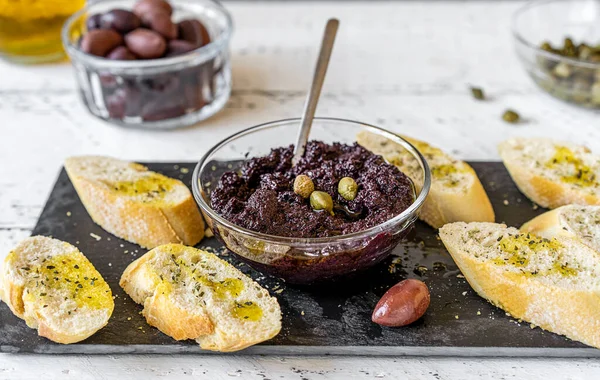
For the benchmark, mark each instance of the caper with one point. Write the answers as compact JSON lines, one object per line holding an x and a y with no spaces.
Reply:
{"x":510,"y":116}
{"x":303,"y":186}
{"x":347,"y":187}
{"x":320,"y":200}
{"x":477,"y":93}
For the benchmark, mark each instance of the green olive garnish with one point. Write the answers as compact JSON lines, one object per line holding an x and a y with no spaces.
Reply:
{"x":320,"y":200}
{"x":347,"y":187}
{"x":303,"y":186}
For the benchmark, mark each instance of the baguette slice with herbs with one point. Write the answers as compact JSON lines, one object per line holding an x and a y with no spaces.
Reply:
{"x":552,"y":173}
{"x":55,"y":289}
{"x":192,"y":294}
{"x":551,"y":283}
{"x":574,"y":221}
{"x":456,"y":193}
{"x":133,"y":203}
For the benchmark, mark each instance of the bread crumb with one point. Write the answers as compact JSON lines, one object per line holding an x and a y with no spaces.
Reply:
{"x":532,"y":326}
{"x":302,"y":312}
{"x":121,"y":245}
{"x":68,"y":213}
{"x":184,"y":170}
{"x":108,"y":238}
{"x":535,"y":207}
{"x":460,"y":276}
{"x":110,"y":264}
{"x":478,"y":312}
{"x":456,"y":317}
{"x":464,"y":293}
{"x":279,"y":291}
{"x":129,"y":318}
{"x":208,"y":233}
{"x":505,"y":202}
{"x":98,"y":238}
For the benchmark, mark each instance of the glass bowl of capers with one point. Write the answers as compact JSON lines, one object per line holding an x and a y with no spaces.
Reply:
{"x":338,"y":210}
{"x":558,"y":42}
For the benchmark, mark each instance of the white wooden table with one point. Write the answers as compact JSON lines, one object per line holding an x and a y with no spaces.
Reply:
{"x":405,"y":66}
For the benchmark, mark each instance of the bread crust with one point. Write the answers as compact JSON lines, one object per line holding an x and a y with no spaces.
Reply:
{"x":575,"y":314}
{"x":545,"y":192}
{"x":442,"y":204}
{"x":447,"y":207}
{"x":148,"y":225}
{"x":164,"y":314}
{"x":15,"y":289}
{"x":163,"y":310}
{"x":548,"y":225}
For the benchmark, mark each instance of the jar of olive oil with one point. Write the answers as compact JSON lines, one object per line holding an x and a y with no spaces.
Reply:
{"x":30,"y":29}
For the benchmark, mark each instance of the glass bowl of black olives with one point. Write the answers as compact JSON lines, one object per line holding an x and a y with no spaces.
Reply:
{"x":152,"y":64}
{"x":336,"y":211}
{"x":558,"y":42}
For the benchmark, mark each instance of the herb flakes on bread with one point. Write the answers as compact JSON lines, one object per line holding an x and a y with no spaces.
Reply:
{"x":133,"y":203}
{"x":456,"y":193}
{"x":55,"y":289}
{"x":552,"y":173}
{"x":552,"y":283}
{"x":188,"y":293}
{"x":574,"y":221}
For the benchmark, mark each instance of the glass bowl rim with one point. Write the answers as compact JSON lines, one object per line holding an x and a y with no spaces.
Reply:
{"x":208,"y":50}
{"x":400,"y":218}
{"x":522,"y":40}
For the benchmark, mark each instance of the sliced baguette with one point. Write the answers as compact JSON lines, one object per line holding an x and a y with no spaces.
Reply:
{"x":554,"y":284}
{"x":55,"y":289}
{"x":133,"y":203}
{"x":552,"y":173}
{"x":456,"y":193}
{"x":574,"y":221}
{"x":192,"y":294}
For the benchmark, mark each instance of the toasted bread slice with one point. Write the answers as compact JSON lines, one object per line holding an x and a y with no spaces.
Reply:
{"x":192,"y":294}
{"x":456,"y":193}
{"x":55,"y":289}
{"x":552,"y":283}
{"x":574,"y":221}
{"x":133,"y":203}
{"x":552,"y":173}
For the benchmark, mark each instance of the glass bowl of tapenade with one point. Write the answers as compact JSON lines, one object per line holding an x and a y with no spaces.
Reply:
{"x":151,"y":64}
{"x":558,"y":43}
{"x":338,"y":210}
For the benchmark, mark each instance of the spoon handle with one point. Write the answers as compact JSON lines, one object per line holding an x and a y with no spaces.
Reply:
{"x":315,"y":89}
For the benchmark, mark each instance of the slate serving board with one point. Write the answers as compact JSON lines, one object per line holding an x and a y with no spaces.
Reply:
{"x":329,"y":319}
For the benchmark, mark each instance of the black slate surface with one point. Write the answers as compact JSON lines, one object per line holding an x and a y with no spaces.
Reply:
{"x":328,"y":319}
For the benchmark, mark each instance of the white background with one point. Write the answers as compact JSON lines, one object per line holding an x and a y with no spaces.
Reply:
{"x":406,"y":66}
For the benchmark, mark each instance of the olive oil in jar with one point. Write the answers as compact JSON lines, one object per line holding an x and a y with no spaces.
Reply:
{"x":30,"y":29}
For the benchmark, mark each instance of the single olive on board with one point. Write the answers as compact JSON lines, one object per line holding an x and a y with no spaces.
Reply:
{"x":402,"y":304}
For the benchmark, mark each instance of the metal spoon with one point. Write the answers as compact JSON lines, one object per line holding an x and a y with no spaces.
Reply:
{"x":315,"y":89}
